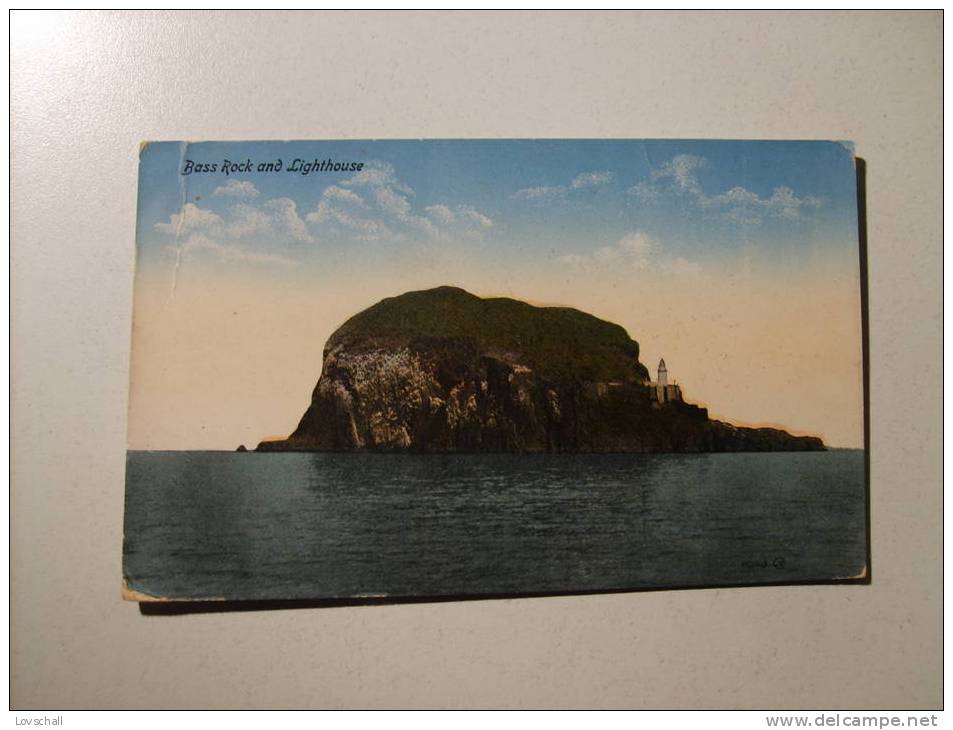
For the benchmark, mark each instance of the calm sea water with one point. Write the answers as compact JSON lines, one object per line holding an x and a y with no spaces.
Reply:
{"x":260,"y":526}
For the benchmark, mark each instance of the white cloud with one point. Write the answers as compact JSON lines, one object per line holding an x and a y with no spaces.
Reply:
{"x":399,"y":208}
{"x":743,"y":216}
{"x":276,"y":218}
{"x":247,"y":221}
{"x":274,"y":221}
{"x":592,"y":179}
{"x":441,"y":214}
{"x":465,"y":215}
{"x":270,"y":232}
{"x":471,"y":215}
{"x":645,"y":192}
{"x":785,"y":204}
{"x":637,"y":244}
{"x":548,"y":193}
{"x":373,"y":205}
{"x":392,"y":202}
{"x":341,"y":195}
{"x":738,"y":204}
{"x":682,"y":268}
{"x":680,"y":170}
{"x":607,"y":253}
{"x":634,"y":249}
{"x":638,"y":251}
{"x":236,"y":189}
{"x":191,"y":218}
{"x":365,"y":229}
{"x":378,"y":174}
{"x":746,"y":207}
{"x":736,"y":196}
{"x":346,"y":209}
{"x":202,"y":243}
{"x":285,"y":212}
{"x":540,"y":194}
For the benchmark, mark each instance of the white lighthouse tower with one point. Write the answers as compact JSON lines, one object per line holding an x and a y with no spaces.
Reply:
{"x":660,"y":392}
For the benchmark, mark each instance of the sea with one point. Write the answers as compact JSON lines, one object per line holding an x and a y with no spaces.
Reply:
{"x":203,"y":525}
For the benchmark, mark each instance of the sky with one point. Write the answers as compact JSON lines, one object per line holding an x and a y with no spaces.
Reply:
{"x":735,"y":261}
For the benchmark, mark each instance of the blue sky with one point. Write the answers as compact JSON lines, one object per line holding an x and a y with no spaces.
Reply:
{"x":553,"y":201}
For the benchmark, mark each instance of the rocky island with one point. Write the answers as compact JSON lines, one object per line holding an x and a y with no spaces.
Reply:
{"x":443,"y":370}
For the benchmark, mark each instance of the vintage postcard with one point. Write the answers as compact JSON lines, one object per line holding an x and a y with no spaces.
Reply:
{"x":427,"y":368}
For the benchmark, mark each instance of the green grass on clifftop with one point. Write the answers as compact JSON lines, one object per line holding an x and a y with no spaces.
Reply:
{"x":556,"y":342}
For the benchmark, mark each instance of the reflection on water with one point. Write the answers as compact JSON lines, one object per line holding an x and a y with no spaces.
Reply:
{"x":254,"y":526}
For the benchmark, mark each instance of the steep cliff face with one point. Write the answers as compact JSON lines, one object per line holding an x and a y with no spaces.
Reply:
{"x":442,"y":370}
